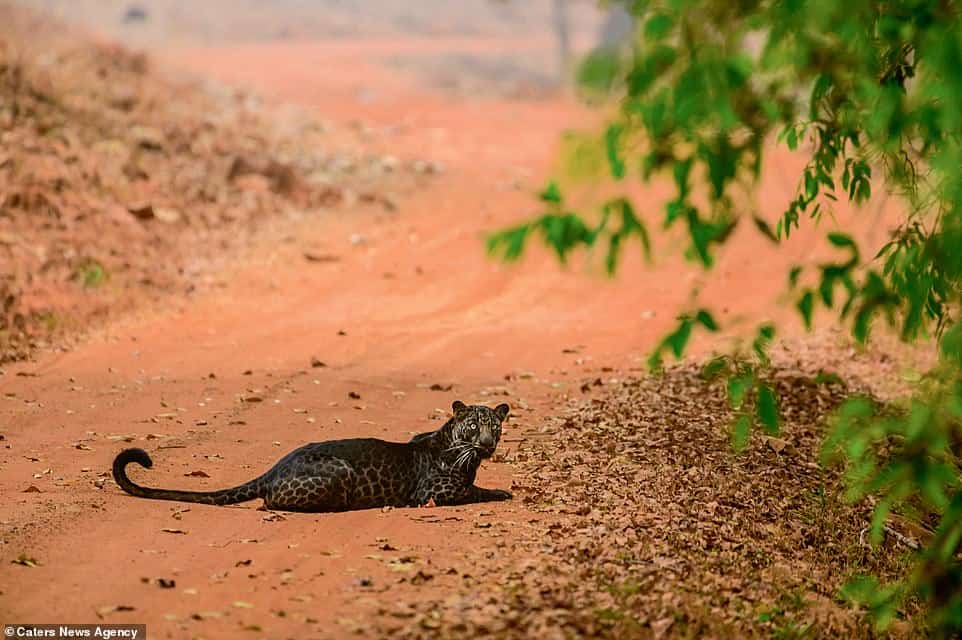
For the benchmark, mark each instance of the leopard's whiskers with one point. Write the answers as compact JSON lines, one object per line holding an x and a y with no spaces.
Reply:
{"x":465,"y":456}
{"x":462,"y":451}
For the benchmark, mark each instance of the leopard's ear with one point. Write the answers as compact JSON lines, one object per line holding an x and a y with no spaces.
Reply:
{"x":502,"y":410}
{"x":458,"y":406}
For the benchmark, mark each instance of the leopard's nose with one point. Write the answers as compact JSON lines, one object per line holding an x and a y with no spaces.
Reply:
{"x":486,"y":441}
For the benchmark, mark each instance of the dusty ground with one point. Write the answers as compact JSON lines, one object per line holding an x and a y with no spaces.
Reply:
{"x":405,"y":311}
{"x":643,"y":523}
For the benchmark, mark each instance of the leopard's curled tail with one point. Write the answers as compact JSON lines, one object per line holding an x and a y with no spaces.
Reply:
{"x":241,"y":493}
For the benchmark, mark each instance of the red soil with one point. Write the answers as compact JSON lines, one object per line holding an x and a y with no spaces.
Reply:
{"x":419,"y":303}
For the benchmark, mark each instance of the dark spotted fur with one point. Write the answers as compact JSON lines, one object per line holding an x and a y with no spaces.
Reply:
{"x":361,"y":473}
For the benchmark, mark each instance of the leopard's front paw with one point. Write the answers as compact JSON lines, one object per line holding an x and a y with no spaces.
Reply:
{"x":500,"y":494}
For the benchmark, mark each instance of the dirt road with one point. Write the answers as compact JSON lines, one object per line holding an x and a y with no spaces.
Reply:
{"x":219,"y":387}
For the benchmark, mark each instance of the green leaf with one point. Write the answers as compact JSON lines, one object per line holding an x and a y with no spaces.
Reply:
{"x":882,"y":510}
{"x":805,"y":306}
{"x":763,"y":339}
{"x":766,"y":331}
{"x":765,"y":229}
{"x":508,"y":244}
{"x":655,"y":361}
{"x":864,"y":191}
{"x":681,"y":171}
{"x":767,"y":408}
{"x":622,"y":209}
{"x":714,"y":367}
{"x":679,"y":338}
{"x":841,"y":239}
{"x":741,"y":429}
{"x":721,"y":159}
{"x":551,"y":193}
{"x":611,"y":257}
{"x":599,"y":71}
{"x":658,"y":26}
{"x":704,"y":234}
{"x":92,"y":274}
{"x":791,"y":137}
{"x":822,"y":84}
{"x":738,"y":387}
{"x":706,"y":320}
{"x":881,"y":602}
{"x":675,"y":341}
{"x":562,"y":232}
{"x":951,"y":347}
{"x":826,"y":287}
{"x":811,"y":186}
{"x":793,"y":276}
{"x":824,"y":377}
{"x":612,"y":148}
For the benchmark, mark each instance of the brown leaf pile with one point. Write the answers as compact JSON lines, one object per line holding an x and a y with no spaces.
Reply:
{"x":112,"y":173}
{"x":649,"y":525}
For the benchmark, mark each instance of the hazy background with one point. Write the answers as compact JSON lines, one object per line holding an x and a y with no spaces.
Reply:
{"x":509,"y":48}
{"x":158,"y":21}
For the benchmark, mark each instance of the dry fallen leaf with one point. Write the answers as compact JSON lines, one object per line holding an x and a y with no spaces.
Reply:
{"x":778,"y":445}
{"x":314,"y":256}
{"x":661,"y":627}
{"x":25,"y":561}
{"x":167,"y":215}
{"x":109,"y":609}
{"x":420,"y":578}
{"x":141,"y":210}
{"x":206,"y":615}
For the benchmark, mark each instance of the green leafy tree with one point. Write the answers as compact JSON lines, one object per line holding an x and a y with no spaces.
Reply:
{"x":871,"y":92}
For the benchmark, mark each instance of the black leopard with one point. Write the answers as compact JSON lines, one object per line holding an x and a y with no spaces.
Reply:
{"x":361,"y":473}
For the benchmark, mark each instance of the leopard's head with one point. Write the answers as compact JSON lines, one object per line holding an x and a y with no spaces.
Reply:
{"x":475,"y":431}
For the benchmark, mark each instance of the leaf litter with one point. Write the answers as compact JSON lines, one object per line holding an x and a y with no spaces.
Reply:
{"x":649,"y":525}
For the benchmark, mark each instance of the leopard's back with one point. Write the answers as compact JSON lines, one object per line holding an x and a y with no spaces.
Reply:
{"x":373,"y":472}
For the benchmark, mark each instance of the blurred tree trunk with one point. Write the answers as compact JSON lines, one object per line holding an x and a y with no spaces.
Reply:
{"x":564,"y":38}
